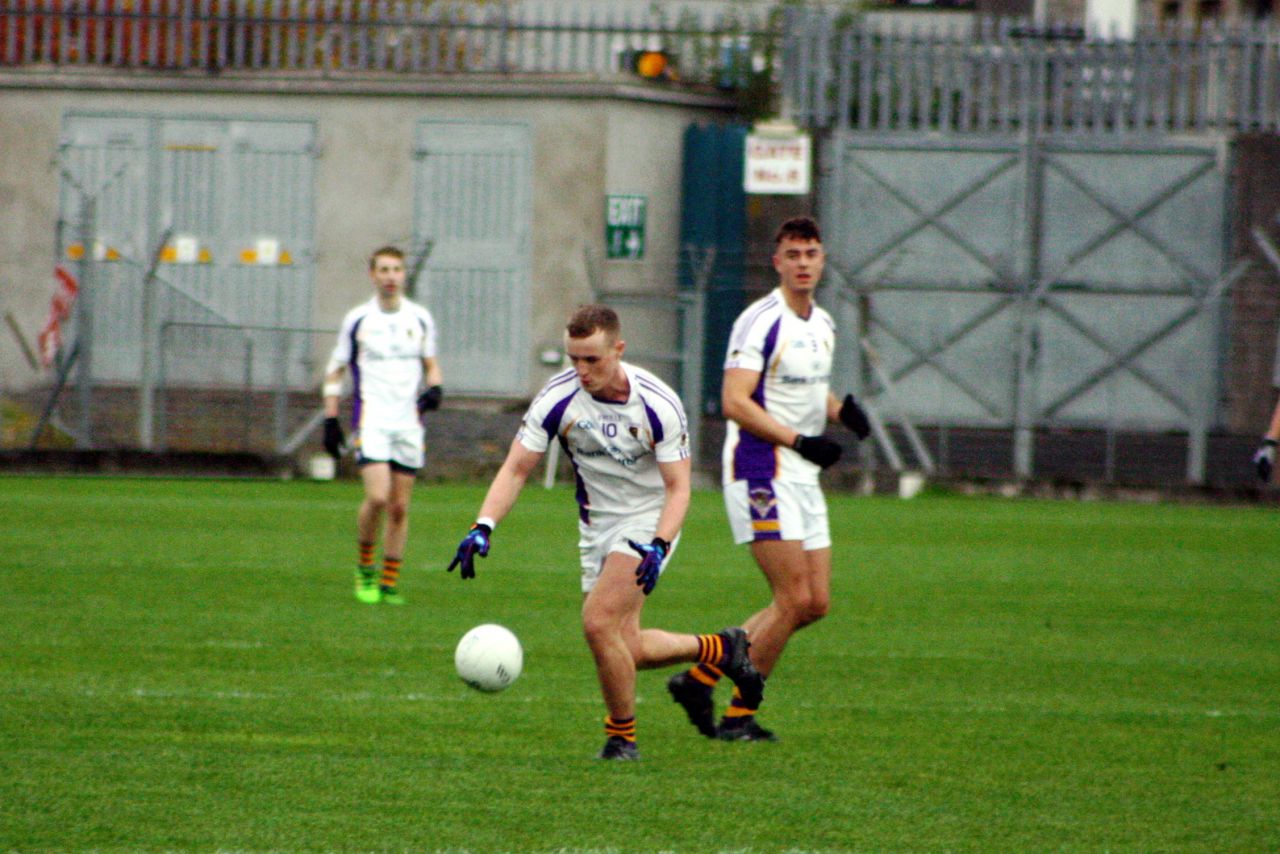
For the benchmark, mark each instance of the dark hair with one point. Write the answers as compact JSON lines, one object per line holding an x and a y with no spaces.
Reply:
{"x":388,"y":251}
{"x":588,"y":319}
{"x":798,"y":228}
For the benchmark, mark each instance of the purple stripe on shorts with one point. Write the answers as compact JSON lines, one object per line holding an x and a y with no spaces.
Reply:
{"x":763,"y":503}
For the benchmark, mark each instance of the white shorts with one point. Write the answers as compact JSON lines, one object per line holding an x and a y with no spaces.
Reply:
{"x":777,"y":510}
{"x":402,"y":448}
{"x":610,"y":534}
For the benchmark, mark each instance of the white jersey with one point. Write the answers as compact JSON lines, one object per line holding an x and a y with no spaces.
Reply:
{"x":615,"y":448}
{"x":793,"y":356}
{"x":384,"y":352}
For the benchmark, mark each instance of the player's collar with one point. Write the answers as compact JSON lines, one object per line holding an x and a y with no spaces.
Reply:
{"x":813,"y":303}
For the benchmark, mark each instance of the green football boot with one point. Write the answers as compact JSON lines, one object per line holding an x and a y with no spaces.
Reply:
{"x":391,"y":595}
{"x":367,"y":586}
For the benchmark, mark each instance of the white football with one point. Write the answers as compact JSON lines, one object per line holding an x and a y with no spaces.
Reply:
{"x":489,"y":657}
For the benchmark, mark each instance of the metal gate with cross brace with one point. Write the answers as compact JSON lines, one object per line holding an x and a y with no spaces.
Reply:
{"x":1031,"y":283}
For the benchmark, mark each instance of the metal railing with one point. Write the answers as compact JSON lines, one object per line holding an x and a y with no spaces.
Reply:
{"x":1005,"y":76}
{"x":386,"y":36}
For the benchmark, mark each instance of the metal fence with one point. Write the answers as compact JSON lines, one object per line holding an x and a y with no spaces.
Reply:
{"x":260,"y":413}
{"x":1007,"y":76}
{"x":694,"y":44}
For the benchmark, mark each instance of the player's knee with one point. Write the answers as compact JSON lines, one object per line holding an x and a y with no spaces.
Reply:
{"x":597,"y":628}
{"x":817,"y":608}
{"x":397,"y":511}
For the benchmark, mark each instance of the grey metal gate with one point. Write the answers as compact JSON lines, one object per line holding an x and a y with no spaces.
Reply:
{"x":473,"y":205}
{"x":222,"y":211}
{"x":1033,"y":283}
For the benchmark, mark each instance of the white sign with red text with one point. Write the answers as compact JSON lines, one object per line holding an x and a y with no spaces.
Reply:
{"x":778,"y":164}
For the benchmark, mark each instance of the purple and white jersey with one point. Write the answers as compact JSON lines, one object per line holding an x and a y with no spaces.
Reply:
{"x":384,"y":352}
{"x":615,"y":448}
{"x":793,"y":357}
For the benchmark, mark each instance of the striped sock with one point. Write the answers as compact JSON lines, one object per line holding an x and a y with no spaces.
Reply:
{"x":710,"y":650}
{"x":390,"y":572}
{"x":737,"y":708}
{"x":626,"y":727}
{"x":707,"y":674}
{"x":366,"y":557}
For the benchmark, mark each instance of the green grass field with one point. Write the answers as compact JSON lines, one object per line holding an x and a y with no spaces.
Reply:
{"x":184,"y":668}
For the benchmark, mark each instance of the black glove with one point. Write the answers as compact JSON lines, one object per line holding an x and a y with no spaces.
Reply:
{"x":853,"y":417}
{"x":818,"y":449}
{"x":334,"y":441}
{"x":430,"y":399}
{"x":651,"y":558}
{"x":1264,"y":459}
{"x":476,"y":542}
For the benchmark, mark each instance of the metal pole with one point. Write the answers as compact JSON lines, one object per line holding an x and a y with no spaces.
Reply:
{"x":246,"y":442}
{"x":84,"y":321}
{"x":162,"y":422}
{"x":1028,"y":338}
{"x":150,"y":342}
{"x":280,"y":403}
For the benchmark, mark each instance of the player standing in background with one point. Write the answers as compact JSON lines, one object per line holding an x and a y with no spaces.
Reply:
{"x":389,"y":343}
{"x":625,"y":432}
{"x":777,"y":399}
{"x":1264,"y":459}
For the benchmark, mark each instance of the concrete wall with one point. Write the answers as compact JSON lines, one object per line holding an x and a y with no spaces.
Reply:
{"x":589,"y":139}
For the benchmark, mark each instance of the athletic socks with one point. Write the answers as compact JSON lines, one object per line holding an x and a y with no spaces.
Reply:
{"x":623,"y":727}
{"x":710,"y":657}
{"x":706,"y":671}
{"x":737,"y":708}
{"x":390,"y":572}
{"x":366,"y":557}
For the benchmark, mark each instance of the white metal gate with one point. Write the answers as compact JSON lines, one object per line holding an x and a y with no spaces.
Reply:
{"x":1029,"y":284}
{"x":222,"y":211}
{"x":473,"y":191}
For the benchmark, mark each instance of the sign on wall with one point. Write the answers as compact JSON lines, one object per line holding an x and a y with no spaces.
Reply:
{"x":777,"y":163}
{"x":624,"y":217}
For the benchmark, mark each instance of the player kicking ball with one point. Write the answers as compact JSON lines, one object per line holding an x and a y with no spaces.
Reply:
{"x":626,"y":434}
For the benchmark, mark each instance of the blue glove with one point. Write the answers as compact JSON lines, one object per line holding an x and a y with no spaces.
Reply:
{"x":476,"y":542}
{"x":651,"y":558}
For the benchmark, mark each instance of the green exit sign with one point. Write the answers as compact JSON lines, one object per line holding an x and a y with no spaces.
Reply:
{"x":624,"y":226}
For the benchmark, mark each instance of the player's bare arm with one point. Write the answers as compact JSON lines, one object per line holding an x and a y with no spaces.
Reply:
{"x":736,"y":401}
{"x":331,"y":391}
{"x":676,"y":479}
{"x":431,"y":370}
{"x":833,"y":409}
{"x":508,"y":482}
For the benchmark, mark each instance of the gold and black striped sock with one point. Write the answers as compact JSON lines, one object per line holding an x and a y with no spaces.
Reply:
{"x":707,"y":674}
{"x":710,"y":650}
{"x":390,"y":571}
{"x":366,"y":557}
{"x":625,"y":727}
{"x":737,"y":708}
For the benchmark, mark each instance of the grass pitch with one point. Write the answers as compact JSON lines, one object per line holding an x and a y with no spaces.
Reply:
{"x":185,"y":668}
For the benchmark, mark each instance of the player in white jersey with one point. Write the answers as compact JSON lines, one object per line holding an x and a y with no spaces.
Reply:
{"x":777,"y":398}
{"x":625,"y":433}
{"x":389,"y":346}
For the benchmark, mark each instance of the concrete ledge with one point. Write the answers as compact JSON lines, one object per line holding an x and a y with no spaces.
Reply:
{"x":622,"y":87}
